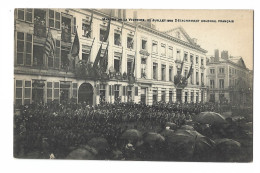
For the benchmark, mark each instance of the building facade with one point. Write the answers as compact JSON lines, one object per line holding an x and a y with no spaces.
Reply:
{"x":229,"y":80}
{"x":141,"y":66}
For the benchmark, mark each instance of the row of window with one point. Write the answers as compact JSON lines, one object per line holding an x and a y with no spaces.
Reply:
{"x":220,"y":70}
{"x":42,"y":17}
{"x":221,"y":83}
{"x":163,"y":74}
{"x":234,"y":71}
{"x":170,"y":52}
{"x":27,"y":92}
{"x":29,"y":53}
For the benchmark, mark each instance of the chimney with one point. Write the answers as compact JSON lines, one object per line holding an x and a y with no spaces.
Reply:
{"x":224,"y":54}
{"x":216,"y":55}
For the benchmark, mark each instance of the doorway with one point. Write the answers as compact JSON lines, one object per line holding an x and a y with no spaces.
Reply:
{"x":85,"y":94}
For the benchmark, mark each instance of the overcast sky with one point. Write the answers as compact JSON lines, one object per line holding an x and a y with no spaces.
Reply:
{"x":236,"y":38}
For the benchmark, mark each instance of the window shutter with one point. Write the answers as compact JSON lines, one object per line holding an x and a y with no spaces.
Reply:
{"x":97,"y":89}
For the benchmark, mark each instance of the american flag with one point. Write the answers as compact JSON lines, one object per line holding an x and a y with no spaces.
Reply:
{"x":49,"y":46}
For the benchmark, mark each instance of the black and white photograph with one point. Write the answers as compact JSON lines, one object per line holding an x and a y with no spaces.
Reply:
{"x":133,"y":84}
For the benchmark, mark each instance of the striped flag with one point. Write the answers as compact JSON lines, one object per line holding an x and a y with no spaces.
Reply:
{"x":75,"y":46}
{"x":49,"y":47}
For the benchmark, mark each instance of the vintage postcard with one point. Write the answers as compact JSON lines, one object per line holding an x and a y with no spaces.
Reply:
{"x":132,"y":84}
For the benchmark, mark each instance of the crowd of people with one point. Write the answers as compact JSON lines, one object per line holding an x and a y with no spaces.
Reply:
{"x":56,"y":128}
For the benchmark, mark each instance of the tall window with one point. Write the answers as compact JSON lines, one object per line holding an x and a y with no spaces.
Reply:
{"x":49,"y":92}
{"x":191,"y":59}
{"x":20,"y":48}
{"x":221,"y":83}
{"x":102,"y":92}
{"x":136,"y":91}
{"x":117,"y":89}
{"x":102,"y":33}
{"x":202,"y":78}
{"x":197,"y":59}
{"x":117,"y":38}
{"x":129,"y":66}
{"x":170,"y":52}
{"x":54,"y":20}
{"x":163,"y":49}
{"x":38,"y":53}
{"x":75,"y":91}
{"x":212,"y":84}
{"x":186,"y":56}
{"x":86,"y":28}
{"x":38,"y":91}
{"x":66,"y":29}
{"x":24,"y":49}
{"x":27,"y":92}
{"x":18,"y":92}
{"x":117,"y":64}
{"x":40,"y":22}
{"x":191,"y":78}
{"x":212,"y":71}
{"x":56,"y":92}
{"x":130,"y":42}
{"x":186,"y":97}
{"x":197,"y":78}
{"x":170,"y":73}
{"x":57,"y":55}
{"x":170,"y":96}
{"x":129,"y":93}
{"x":64,"y":91}
{"x":163,"y":95}
{"x":155,"y":96}
{"x":197,"y":97}
{"x":144,"y":44}
{"x":192,"y":96}
{"x":65,"y":63}
{"x":155,"y":47}
{"x":202,"y":62}
{"x":221,"y":70}
{"x":163,"y":72}
{"x":143,"y":68}
{"x":178,"y":55}
{"x":155,"y":71}
{"x":25,"y":14}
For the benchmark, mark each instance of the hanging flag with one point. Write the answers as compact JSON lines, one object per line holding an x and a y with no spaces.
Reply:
{"x":104,"y":61}
{"x":49,"y":46}
{"x":133,"y":67}
{"x":75,"y":46}
{"x":98,"y":57}
{"x":90,"y":26}
{"x":108,"y":29}
{"x":190,"y":71}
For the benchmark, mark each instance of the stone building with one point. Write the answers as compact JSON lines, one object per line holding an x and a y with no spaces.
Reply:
{"x":135,"y":63}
